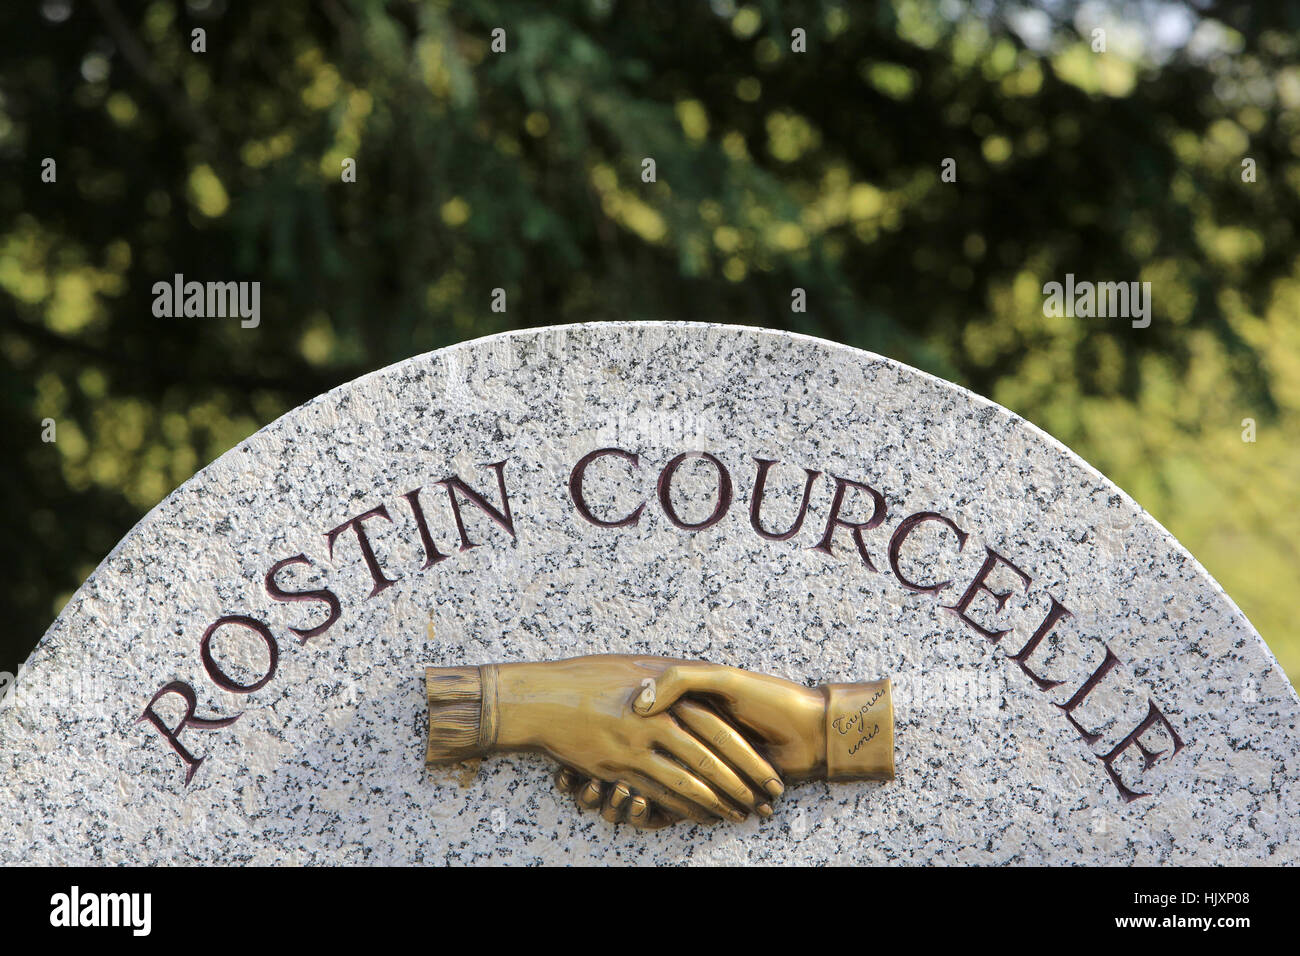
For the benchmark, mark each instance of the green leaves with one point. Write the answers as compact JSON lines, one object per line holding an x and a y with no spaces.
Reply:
{"x":521,"y":170}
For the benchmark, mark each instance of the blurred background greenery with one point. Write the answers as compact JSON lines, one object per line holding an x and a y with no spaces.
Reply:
{"x":818,"y":170}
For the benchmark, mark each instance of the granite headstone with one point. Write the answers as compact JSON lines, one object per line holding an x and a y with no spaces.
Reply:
{"x":279,"y":609}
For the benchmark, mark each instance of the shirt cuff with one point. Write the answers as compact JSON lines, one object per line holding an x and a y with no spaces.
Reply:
{"x":860,"y":731}
{"x":462,"y":712}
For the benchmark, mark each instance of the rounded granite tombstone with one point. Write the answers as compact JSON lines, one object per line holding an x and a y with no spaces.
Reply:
{"x":242,"y":679}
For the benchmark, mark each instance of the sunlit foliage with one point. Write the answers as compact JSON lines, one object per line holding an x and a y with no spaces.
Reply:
{"x":775,"y":170}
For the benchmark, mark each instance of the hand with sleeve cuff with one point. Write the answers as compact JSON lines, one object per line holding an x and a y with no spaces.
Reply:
{"x":834,"y":732}
{"x":658,"y":767}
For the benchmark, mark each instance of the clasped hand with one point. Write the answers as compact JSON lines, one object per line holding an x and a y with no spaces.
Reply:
{"x":651,"y":740}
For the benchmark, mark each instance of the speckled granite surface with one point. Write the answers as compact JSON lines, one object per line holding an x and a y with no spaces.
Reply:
{"x":325,"y":763}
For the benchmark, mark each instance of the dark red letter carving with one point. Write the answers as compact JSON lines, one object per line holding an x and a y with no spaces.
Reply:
{"x":834,"y":520}
{"x":172,"y":734}
{"x":991,"y":560}
{"x":324,"y":595}
{"x":580,"y":502}
{"x":724,"y":491}
{"x":503,"y":517}
{"x":367,"y":551}
{"x":219,"y":677}
{"x":1148,"y":757}
{"x":1107,"y":664}
{"x":431,"y":553}
{"x":756,"y":502}
{"x":900,"y":535}
{"x":1054,"y":614}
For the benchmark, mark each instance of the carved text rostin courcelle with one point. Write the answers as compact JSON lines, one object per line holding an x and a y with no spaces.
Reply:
{"x":877,"y":547}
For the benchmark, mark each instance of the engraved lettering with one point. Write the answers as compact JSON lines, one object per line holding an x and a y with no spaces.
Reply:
{"x":724,"y":491}
{"x":172,"y":734}
{"x":1149,"y":757}
{"x":220,"y":677}
{"x":991,"y":560}
{"x":431,"y":553}
{"x":865,"y":739}
{"x":1108,"y":663}
{"x":1054,"y":614}
{"x":905,"y":528}
{"x":580,"y":501}
{"x":833,"y":520}
{"x":501,"y":516}
{"x":323,"y":595}
{"x":845,"y":723}
{"x":367,"y":551}
{"x":756,"y":502}
{"x":856,"y":722}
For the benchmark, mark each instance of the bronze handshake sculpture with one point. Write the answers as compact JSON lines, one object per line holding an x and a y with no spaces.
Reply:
{"x":653,"y":740}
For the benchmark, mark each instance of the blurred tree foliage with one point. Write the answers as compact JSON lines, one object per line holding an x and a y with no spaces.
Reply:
{"x":522,"y":170}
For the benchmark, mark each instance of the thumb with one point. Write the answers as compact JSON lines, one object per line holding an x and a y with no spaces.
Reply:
{"x":660,"y":693}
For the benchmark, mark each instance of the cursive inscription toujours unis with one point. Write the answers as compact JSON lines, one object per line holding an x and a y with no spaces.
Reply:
{"x":846,"y":724}
{"x":864,"y":739}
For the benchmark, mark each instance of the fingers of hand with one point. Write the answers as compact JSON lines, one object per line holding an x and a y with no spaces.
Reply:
{"x":702,"y":762}
{"x":685,"y":783}
{"x":662,"y":691}
{"x":666,"y":801}
{"x":616,"y":802}
{"x":646,"y":699}
{"x":620,"y":803}
{"x":680,"y":679}
{"x":723,"y":740}
{"x":640,"y":813}
{"x":644,"y":815}
{"x":567,"y":779}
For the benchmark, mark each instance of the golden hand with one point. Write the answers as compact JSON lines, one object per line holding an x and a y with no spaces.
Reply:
{"x":796,"y":727}
{"x":579,"y":712}
{"x":788,"y":718}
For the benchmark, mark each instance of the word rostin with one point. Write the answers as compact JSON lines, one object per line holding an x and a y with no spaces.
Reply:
{"x":460,"y":493}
